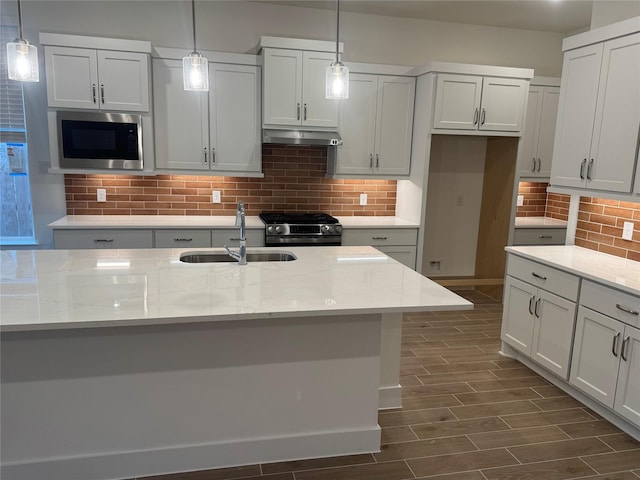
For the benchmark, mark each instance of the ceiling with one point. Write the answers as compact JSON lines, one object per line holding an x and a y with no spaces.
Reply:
{"x":561,"y":16}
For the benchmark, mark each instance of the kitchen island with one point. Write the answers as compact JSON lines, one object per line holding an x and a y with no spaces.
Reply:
{"x":125,"y":363}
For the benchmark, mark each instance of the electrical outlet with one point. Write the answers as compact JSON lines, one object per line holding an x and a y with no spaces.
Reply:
{"x":434,"y":266}
{"x":101,"y":195}
{"x":627,"y":231}
{"x":460,"y":201}
{"x":363,"y":199}
{"x":215,"y":196}
{"x":520,"y":201}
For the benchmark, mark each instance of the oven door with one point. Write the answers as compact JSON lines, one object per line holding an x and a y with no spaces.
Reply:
{"x":99,"y":140}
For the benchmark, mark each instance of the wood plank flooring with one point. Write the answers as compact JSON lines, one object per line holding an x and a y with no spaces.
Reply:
{"x":468,"y":414}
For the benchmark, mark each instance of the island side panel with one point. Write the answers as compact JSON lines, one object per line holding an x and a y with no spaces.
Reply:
{"x":133,"y":401}
{"x":390,"y":388}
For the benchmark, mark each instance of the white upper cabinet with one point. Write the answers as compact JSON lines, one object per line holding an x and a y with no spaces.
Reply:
{"x":97,"y":79}
{"x":539,"y":131}
{"x":294,"y":89}
{"x":376,"y":125}
{"x":599,"y":116}
{"x":468,"y":102}
{"x":217,"y":131}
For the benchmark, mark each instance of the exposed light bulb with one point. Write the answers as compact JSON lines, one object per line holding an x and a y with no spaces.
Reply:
{"x":337,"y":81}
{"x":195,"y":72}
{"x":22,"y":61}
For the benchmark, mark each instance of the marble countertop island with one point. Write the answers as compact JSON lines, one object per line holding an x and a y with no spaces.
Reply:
{"x":47,"y":289}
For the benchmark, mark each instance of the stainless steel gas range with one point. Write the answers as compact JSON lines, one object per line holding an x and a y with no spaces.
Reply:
{"x":301,"y":229}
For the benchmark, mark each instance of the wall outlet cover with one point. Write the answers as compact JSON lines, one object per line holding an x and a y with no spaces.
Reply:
{"x":363,"y":199}
{"x":215,"y":196}
{"x":101,"y":195}
{"x":520,"y":201}
{"x":627,"y":231}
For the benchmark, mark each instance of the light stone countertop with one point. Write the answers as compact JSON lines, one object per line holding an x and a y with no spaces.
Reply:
{"x":539,"y":222}
{"x":50,"y":289}
{"x":600,"y":267}
{"x":73,"y":222}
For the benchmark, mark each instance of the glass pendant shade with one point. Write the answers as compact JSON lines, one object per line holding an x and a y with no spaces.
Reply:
{"x":337,"y":81}
{"x":22,"y":61}
{"x":195,"y":72}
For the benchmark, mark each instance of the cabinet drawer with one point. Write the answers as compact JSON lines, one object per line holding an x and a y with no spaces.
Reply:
{"x":539,"y":236}
{"x":379,"y":236}
{"x":182,"y":238}
{"x":611,"y":302}
{"x":231,"y":237}
{"x":103,"y":238}
{"x":548,"y":278}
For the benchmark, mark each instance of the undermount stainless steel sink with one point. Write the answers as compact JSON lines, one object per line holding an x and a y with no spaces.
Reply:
{"x":208,"y":257}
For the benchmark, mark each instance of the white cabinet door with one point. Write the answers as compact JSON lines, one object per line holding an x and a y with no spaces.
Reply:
{"x":517,"y":317}
{"x":180,"y":120}
{"x":547,"y":132}
{"x":72,"y":77}
{"x":595,"y":361}
{"x":503,"y":104}
{"x":404,"y":254}
{"x":357,"y":127}
{"x":627,"y":401}
{"x":553,"y":332}
{"x":394,"y":125}
{"x":234,"y":102}
{"x":457,"y":102}
{"x":528,"y":161}
{"x":317,"y":111}
{"x":617,"y":117}
{"x":576,"y":111}
{"x":282,"y":88}
{"x":124,"y":81}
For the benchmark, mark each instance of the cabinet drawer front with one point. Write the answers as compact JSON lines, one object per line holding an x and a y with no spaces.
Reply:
{"x":231,"y":237}
{"x":103,"y":238}
{"x":611,"y":302}
{"x":182,"y":238}
{"x":539,"y":236}
{"x":379,"y":236}
{"x":551,"y":279}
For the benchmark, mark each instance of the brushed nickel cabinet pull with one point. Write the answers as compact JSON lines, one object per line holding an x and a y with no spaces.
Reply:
{"x":535,"y":310}
{"x":614,"y":344}
{"x":533,"y":297}
{"x":582,"y":164}
{"x":377,"y":162}
{"x":534,"y":165}
{"x":103,"y":240}
{"x":475,"y":116}
{"x":627,"y":310}
{"x":484,"y":114}
{"x":545,"y":236}
{"x":371,"y":161}
{"x":589,"y":169}
{"x":378,"y":238}
{"x":305,"y":111}
{"x":183,"y":239}
{"x":537,"y":275}
{"x":539,"y":164}
{"x":298,"y":110}
{"x":235,"y":239}
{"x":93,"y":89}
{"x":205,"y":154}
{"x":102,"y":93}
{"x":213,"y":155}
{"x":623,"y":351}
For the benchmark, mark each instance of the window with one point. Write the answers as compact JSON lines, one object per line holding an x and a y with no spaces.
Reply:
{"x":16,"y":213}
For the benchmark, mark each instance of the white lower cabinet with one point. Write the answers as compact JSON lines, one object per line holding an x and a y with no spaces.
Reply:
{"x":539,"y":324}
{"x":606,"y":350}
{"x":397,"y":243}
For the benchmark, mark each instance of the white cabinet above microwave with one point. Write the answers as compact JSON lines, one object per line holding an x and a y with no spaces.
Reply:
{"x":105,"y":74}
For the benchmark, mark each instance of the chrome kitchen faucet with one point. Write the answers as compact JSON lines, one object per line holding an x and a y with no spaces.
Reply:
{"x":241,"y":254}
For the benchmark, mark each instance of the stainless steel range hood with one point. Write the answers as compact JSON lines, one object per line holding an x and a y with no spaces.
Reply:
{"x":301,"y":137}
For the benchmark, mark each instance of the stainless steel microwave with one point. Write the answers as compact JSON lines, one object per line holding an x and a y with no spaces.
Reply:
{"x":97,"y":140}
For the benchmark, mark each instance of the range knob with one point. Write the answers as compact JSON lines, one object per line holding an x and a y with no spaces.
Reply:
{"x":338,"y":228}
{"x":270,"y":229}
{"x":279,"y":229}
{"x":326,"y":229}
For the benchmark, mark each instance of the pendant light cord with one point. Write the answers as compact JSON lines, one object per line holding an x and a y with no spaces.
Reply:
{"x":193,"y":21}
{"x":20,"y":19}
{"x":338,"y":31}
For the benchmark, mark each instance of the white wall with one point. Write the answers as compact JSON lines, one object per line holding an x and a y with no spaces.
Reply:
{"x":612,"y":11}
{"x":236,"y":26}
{"x":454,"y":199}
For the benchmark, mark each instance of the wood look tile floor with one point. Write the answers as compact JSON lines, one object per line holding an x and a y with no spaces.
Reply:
{"x":468,"y":414}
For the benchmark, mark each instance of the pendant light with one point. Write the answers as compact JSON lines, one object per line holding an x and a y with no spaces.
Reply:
{"x":195,"y":67}
{"x":22,"y":57}
{"x":337,"y":85}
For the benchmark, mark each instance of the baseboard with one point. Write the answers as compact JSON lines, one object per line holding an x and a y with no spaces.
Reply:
{"x":390,"y":397}
{"x":198,"y":457}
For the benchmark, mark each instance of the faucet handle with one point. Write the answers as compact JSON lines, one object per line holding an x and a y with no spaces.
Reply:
{"x":239,"y":213}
